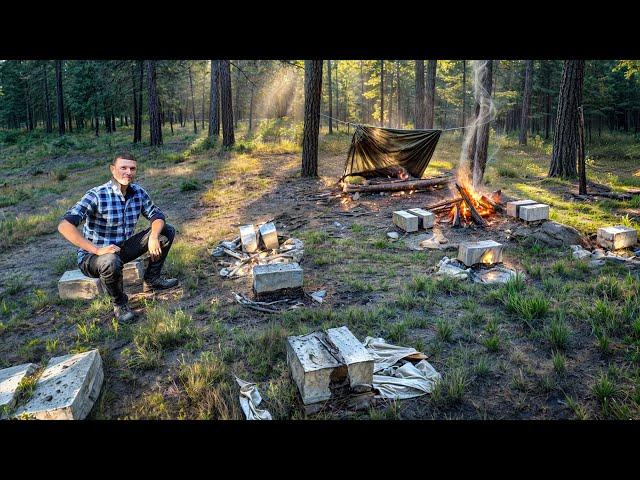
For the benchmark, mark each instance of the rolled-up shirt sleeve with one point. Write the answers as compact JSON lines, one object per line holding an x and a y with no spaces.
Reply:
{"x":150,"y":210}
{"x":87,"y":205}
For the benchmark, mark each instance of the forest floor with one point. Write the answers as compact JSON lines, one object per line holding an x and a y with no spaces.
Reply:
{"x":564,"y":342}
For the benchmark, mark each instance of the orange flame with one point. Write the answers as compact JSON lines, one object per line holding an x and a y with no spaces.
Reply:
{"x":480,"y":203}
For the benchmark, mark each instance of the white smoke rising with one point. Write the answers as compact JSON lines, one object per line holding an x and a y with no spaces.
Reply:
{"x":466,"y":174}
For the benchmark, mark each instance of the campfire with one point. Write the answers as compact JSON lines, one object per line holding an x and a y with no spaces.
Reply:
{"x":471,"y":207}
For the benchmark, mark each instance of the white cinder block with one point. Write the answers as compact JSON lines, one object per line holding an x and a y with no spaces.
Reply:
{"x":534,"y":212}
{"x":426,"y":219}
{"x":269,"y":236}
{"x":329,"y":364}
{"x":276,"y":276}
{"x":67,"y":389}
{"x":312,"y":366}
{"x":358,"y":360}
{"x":405,"y":221}
{"x":74,"y":284}
{"x":249,"y":238}
{"x":486,"y":251}
{"x":513,"y":208}
{"x":10,"y":378}
{"x":617,"y":237}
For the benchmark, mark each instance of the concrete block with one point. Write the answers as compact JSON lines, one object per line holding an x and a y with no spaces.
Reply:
{"x":269,"y":236}
{"x":74,"y":284}
{"x":486,"y":251}
{"x":405,"y":221}
{"x":358,"y":360}
{"x":425,"y":218}
{"x":313,"y":367}
{"x":133,"y":272}
{"x":9,"y":380}
{"x":513,"y":208}
{"x":617,"y":237}
{"x":67,"y":389}
{"x":534,"y":212}
{"x":249,"y":238}
{"x":276,"y":276}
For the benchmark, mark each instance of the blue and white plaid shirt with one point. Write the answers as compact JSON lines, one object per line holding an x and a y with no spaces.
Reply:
{"x":110,"y":216}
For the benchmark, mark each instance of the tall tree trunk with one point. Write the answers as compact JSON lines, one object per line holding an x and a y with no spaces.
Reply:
{"x":28,"y":105}
{"x":420,"y":113}
{"x":251,"y":111}
{"x":547,"y":107}
{"x":214,"y":101}
{"x":330,"y":87}
{"x":60,"y":97}
{"x":382,"y":93}
{"x":565,"y":139}
{"x":398,"y":122}
{"x":464,"y":94}
{"x":226,"y":104}
{"x":47,"y":104}
{"x":236,"y":103}
{"x":135,"y":104}
{"x":155,"y":129}
{"x":203,"y":109}
{"x":362,"y":99}
{"x":484,"y":116}
{"x":312,"y":97}
{"x":582,"y":174}
{"x":430,"y":93}
{"x":337,"y":110}
{"x":140,"y":104}
{"x":193,"y":103}
{"x":526,"y":101}
{"x":69,"y":119}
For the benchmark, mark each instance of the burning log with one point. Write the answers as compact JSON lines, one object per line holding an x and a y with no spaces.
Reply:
{"x":447,"y":203}
{"x":497,"y":207}
{"x":474,"y":213}
{"x":399,"y":185}
{"x":456,"y":217}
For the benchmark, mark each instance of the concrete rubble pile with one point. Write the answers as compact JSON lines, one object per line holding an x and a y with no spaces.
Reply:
{"x":256,"y":246}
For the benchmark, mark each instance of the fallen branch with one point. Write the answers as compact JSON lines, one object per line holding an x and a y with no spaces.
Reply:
{"x":474,"y":213}
{"x":399,"y":185}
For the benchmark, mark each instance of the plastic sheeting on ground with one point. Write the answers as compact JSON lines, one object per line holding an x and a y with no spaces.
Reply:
{"x":395,"y":380}
{"x":407,"y":381}
{"x":384,"y":354}
{"x":250,"y":399}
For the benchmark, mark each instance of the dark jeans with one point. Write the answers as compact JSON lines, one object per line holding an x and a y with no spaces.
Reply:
{"x":109,"y":267}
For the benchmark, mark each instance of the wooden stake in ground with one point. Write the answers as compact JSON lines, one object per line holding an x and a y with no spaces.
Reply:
{"x":474,"y":213}
{"x":582,"y":187}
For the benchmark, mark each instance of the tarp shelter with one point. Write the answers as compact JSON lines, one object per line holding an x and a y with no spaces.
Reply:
{"x":375,"y":150}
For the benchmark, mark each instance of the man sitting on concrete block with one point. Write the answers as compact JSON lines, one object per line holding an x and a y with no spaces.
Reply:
{"x":107,"y":241}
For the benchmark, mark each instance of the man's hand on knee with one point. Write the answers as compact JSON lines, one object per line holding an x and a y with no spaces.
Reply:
{"x":155,"y":251}
{"x":108,"y":249}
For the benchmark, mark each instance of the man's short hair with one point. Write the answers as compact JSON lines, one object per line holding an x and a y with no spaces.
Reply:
{"x":125,"y":155}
